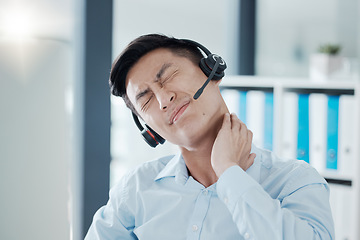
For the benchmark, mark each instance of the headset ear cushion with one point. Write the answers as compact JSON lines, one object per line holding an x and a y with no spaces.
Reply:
{"x":206,"y":69}
{"x":151,"y":137}
{"x":148,"y":138}
{"x":158,"y":138}
{"x":207,"y":64}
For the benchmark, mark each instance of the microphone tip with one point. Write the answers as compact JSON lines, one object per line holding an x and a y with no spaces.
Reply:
{"x":198,"y":93}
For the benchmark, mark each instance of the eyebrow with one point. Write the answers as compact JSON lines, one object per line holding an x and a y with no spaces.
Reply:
{"x":142,"y":93}
{"x":162,"y":70}
{"x":158,"y":76}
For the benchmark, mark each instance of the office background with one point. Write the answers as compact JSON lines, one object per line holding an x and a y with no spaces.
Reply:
{"x":64,"y":141}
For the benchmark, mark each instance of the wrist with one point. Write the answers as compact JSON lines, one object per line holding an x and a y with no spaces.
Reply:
{"x":223,"y":167}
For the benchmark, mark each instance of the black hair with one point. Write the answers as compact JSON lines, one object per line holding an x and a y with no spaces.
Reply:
{"x":137,"y":49}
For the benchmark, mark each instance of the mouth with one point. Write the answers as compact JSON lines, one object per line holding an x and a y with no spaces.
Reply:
{"x":178,"y":112}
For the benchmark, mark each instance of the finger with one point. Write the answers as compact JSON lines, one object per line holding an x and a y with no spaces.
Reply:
{"x":252,"y":157}
{"x":235,"y":121}
{"x":243,"y":130}
{"x":249,"y":140}
{"x":250,"y":136}
{"x":226,"y":121}
{"x":248,"y":143}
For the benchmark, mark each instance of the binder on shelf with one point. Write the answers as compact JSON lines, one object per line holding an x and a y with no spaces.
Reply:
{"x":231,"y":98}
{"x":346,"y":134}
{"x":255,"y":108}
{"x":290,"y":125}
{"x":332,"y":132}
{"x":317,"y":130}
{"x":255,"y":114}
{"x":242,"y":106}
{"x":303,"y":128}
{"x":268,"y":120}
{"x":320,"y":125}
{"x":236,"y":102}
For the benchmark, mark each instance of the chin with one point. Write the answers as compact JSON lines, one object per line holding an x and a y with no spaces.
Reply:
{"x":192,"y":136}
{"x":189,"y":132}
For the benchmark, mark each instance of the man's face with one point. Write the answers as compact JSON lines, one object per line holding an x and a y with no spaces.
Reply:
{"x":161,"y":86}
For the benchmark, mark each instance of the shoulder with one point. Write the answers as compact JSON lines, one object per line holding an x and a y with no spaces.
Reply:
{"x":123,"y":193}
{"x":277,"y":165}
{"x":144,"y":173}
{"x":286,"y":174}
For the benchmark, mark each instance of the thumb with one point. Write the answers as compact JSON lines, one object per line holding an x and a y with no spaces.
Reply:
{"x":226,"y":120}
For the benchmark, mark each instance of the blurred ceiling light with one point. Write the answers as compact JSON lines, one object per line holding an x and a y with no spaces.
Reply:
{"x":16,"y":23}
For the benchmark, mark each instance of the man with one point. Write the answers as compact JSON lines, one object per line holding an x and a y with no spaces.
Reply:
{"x":219,"y":186}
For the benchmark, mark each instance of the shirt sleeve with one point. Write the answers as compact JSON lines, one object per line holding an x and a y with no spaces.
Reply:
{"x":114,"y":220}
{"x":303,"y":212}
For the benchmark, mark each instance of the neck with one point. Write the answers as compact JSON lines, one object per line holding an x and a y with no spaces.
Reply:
{"x":199,"y":166}
{"x":198,"y":157}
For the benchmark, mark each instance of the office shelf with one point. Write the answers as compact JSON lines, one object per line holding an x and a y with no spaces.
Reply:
{"x":340,"y":183}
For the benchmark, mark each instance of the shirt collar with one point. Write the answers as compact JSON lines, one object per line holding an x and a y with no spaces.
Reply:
{"x":262,"y":159}
{"x":254,"y":169}
{"x":176,"y":167}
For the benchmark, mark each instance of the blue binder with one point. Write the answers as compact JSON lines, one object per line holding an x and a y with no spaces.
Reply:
{"x":268,"y":120}
{"x":332,"y":132}
{"x":303,"y":128}
{"x":242,"y":106}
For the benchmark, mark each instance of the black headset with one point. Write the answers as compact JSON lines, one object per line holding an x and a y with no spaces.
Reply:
{"x":213,"y":67}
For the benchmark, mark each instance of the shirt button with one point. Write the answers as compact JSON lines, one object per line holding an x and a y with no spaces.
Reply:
{"x":226,"y":200}
{"x":194,"y":228}
{"x":205,"y":192}
{"x":246,"y":235}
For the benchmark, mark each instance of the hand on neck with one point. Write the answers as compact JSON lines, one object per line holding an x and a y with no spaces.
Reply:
{"x":198,"y":157}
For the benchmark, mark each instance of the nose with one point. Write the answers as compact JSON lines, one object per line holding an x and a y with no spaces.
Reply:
{"x":165,"y":99}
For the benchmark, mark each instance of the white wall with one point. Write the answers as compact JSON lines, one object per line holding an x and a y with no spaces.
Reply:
{"x":210,"y":22}
{"x":358,"y":34}
{"x":37,"y":158}
{"x":34,"y":141}
{"x":288,"y":32}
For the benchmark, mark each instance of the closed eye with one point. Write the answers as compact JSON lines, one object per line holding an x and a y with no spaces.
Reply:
{"x":145,"y":105}
{"x":169,"y":77}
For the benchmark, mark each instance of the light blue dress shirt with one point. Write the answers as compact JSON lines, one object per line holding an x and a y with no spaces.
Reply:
{"x":274,"y":199}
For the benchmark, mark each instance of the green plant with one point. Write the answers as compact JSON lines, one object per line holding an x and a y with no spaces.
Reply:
{"x":331,"y":49}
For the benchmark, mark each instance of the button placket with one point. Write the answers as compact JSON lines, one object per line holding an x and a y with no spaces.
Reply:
{"x":200,"y":210}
